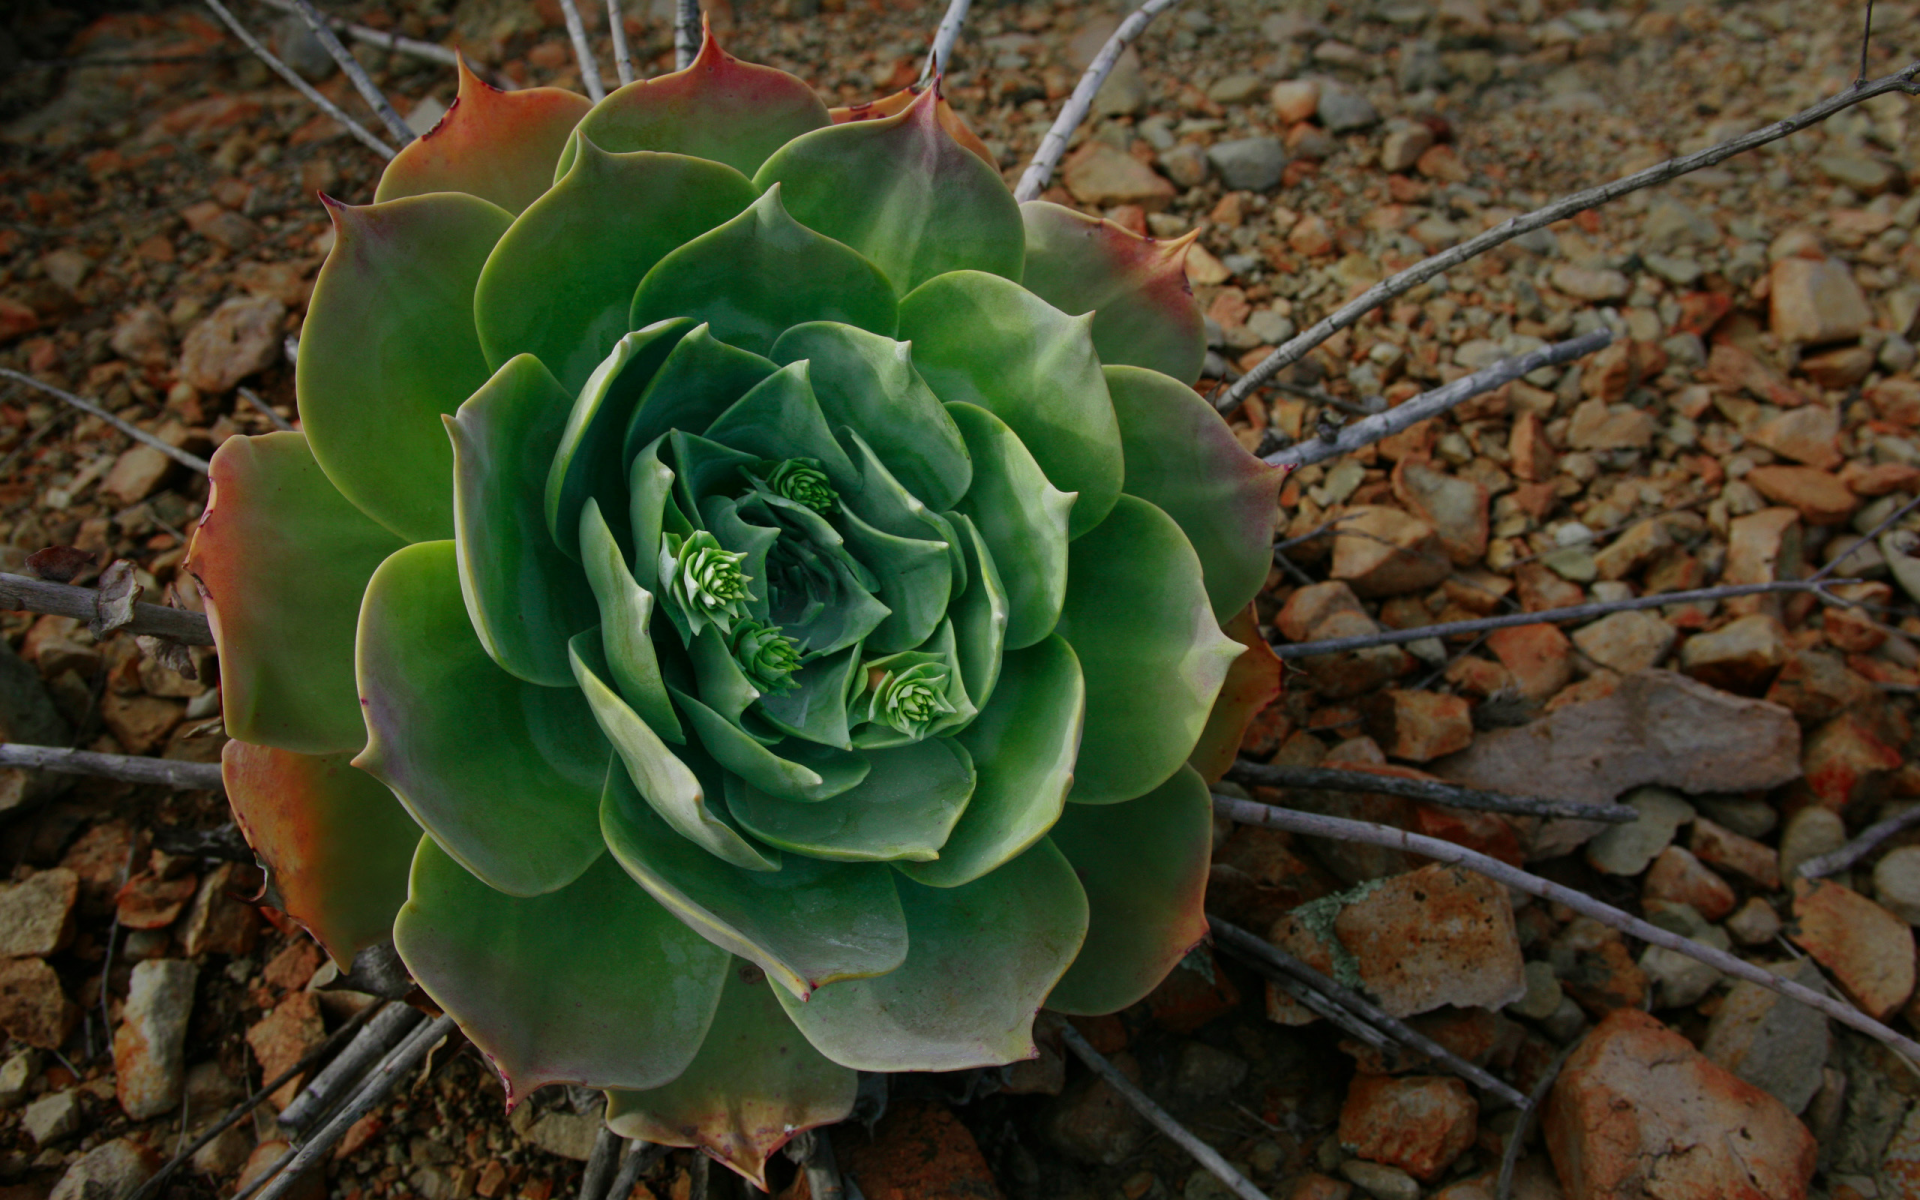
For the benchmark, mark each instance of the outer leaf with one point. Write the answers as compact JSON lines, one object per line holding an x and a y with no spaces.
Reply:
{"x":983,"y":958}
{"x":718,"y":108}
{"x":1022,"y":518}
{"x":700,"y":380}
{"x":499,"y":146}
{"x":388,"y":347}
{"x":524,"y":596}
{"x":887,"y":106}
{"x":280,"y":551}
{"x":626,"y":610}
{"x":505,"y":775}
{"x":1182,"y":457}
{"x":335,"y":843}
{"x":780,"y":418}
{"x":868,"y":383}
{"x":1144,"y":313}
{"x":1154,"y":658}
{"x":1144,"y":866}
{"x":755,"y":1083}
{"x":559,"y":284}
{"x":904,"y":193}
{"x":807,"y":924}
{"x":1253,"y":682}
{"x":983,"y":340}
{"x":594,"y":984}
{"x":1023,"y":745}
{"x":979,"y":614}
{"x":904,"y":809}
{"x":759,"y":275}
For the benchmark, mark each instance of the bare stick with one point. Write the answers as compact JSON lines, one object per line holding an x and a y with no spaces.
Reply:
{"x":1431,"y":404}
{"x":252,"y":397}
{"x":1143,"y":1104}
{"x":1432,"y":792}
{"x":18,"y":593}
{"x":943,"y":40}
{"x":1052,"y":146}
{"x":1321,"y":1006}
{"x":686,"y":33}
{"x":811,"y":1149}
{"x":1540,"y":218}
{"x":286,"y":1172}
{"x":1546,"y":616}
{"x":357,"y":74}
{"x":1870,"y":536}
{"x":601,"y":1161}
{"x":1340,"y":829}
{"x":373,"y":1044}
{"x":622,"y":53}
{"x":393,"y":43}
{"x":128,"y":768}
{"x":583,"y":51}
{"x":1273,"y":957}
{"x":131,"y":430}
{"x":640,"y":1156}
{"x":1510,"y":1153}
{"x":359,"y":131}
{"x":1857,"y":849}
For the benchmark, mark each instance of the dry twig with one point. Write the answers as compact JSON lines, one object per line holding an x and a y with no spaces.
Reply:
{"x":393,"y":43}
{"x":583,"y":52}
{"x":267,"y":410}
{"x":18,"y":593}
{"x":1510,"y":1153}
{"x":89,"y":407}
{"x":687,"y":28}
{"x":374,"y":1042}
{"x":128,"y":768}
{"x":622,"y":53}
{"x":361,"y":132}
{"x":1433,"y":792}
{"x":1341,"y":829}
{"x":356,"y":74}
{"x":1052,"y":146}
{"x":1857,"y":849}
{"x":943,"y":39}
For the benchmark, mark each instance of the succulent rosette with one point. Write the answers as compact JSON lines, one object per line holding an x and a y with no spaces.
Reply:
{"x":743,"y":600}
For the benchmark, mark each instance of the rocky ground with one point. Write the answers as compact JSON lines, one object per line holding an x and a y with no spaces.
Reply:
{"x":158,"y":239}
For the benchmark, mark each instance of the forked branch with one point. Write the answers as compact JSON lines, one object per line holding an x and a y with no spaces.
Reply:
{"x":190,"y":461}
{"x":314,"y":97}
{"x":357,"y":74}
{"x":1052,"y":146}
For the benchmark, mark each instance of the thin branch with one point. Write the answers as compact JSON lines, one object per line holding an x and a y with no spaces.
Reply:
{"x":393,"y":43}
{"x":640,"y":1156}
{"x":1052,"y":146}
{"x":602,"y":1161}
{"x":583,"y":52}
{"x":131,"y":430}
{"x":356,"y":74}
{"x":1430,"y":404}
{"x":1340,"y":829}
{"x":813,"y":1151}
{"x":1510,"y":1153}
{"x":1857,"y":849}
{"x":1321,"y":1006}
{"x":1143,"y":1104}
{"x":943,"y":40}
{"x":1546,"y":616}
{"x":374,"y":1043}
{"x":127,"y":768}
{"x":267,"y":410}
{"x":687,"y":28}
{"x":1431,"y":791}
{"x":622,"y":53}
{"x":1396,"y":285}
{"x":361,"y":132}
{"x":1265,"y":953}
{"x":21,"y":594}
{"x":1865,"y":539}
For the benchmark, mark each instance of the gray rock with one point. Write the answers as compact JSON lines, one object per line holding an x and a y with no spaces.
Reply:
{"x":1671,"y":224}
{"x":1379,"y":1180}
{"x":16,"y":1077}
{"x":565,"y":1134}
{"x":1185,"y":164}
{"x":1896,"y":883}
{"x":36,"y":915}
{"x":1237,"y":88}
{"x":109,"y":1172}
{"x":1747,"y":817}
{"x":1344,"y":110}
{"x":1421,"y":68}
{"x":1543,"y":992}
{"x":1811,"y":832}
{"x":1092,"y":1123}
{"x":1567,"y":1023}
{"x":1770,"y":1041}
{"x":150,"y":1045}
{"x":1628,"y":849}
{"x":1205,"y":1072}
{"x":1678,"y":979}
{"x":296,"y":44}
{"x":1754,"y":923}
{"x":51,"y":1117}
{"x":422,"y":117}
{"x":1270,"y":327}
{"x":27,"y":715}
{"x":1251,"y":164}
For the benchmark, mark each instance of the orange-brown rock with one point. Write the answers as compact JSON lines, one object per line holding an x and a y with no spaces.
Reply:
{"x":1743,"y":656}
{"x":919,"y":1151}
{"x":1382,"y":551}
{"x":1419,"y":1123}
{"x":1844,"y":758}
{"x":1678,"y":876}
{"x":1868,"y":949}
{"x":1817,"y":495}
{"x":1419,"y":726}
{"x":1539,"y":657}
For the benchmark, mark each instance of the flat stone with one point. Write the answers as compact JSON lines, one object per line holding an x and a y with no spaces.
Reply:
{"x":16,"y":1077}
{"x":1637,"y":1111}
{"x":919,"y":1151}
{"x":234,"y":341}
{"x":1093,"y":1123}
{"x":1380,"y":1181}
{"x":568,"y":1135}
{"x":1896,"y":883}
{"x":32,"y":1006}
{"x":1237,"y":88}
{"x":1455,"y":507}
{"x":283,"y":1037}
{"x":1419,"y":726}
{"x":1754,"y":923}
{"x":1762,"y":547}
{"x":1809,"y":435}
{"x":150,"y":901}
{"x":1539,"y":657}
{"x":143,"y":335}
{"x":1597,"y":285}
{"x":1725,"y":850}
{"x":1251,"y":164}
{"x":1186,"y":165}
{"x":136,"y":474}
{"x":1418,"y":1123}
{"x":149,"y":1048}
{"x":1840,"y":367}
{"x":1295,"y":100}
{"x":1632,"y":550}
{"x":1595,"y":969}
{"x":140,"y":723}
{"x":1206,"y":1072}
{"x":1815,"y":301}
{"x":1671,"y":224}
{"x":1626,"y":642}
{"x":216,"y":922}
{"x":1629,"y":849}
{"x":1846,"y":757}
{"x":1770,"y":1041}
{"x":1811,"y":832}
{"x":108,"y":1172}
{"x":1543,"y":992}
{"x":1868,"y":949}
{"x":1677,"y":876}
{"x":53,"y":1116}
{"x":36,"y":915}
{"x":1382,"y":551}
{"x":1343,"y":110}
{"x":1862,"y":172}
{"x":1597,"y":425}
{"x":1743,"y":656}
{"x":1402,"y":148}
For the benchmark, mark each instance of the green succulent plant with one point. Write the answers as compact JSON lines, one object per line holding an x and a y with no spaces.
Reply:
{"x":742,"y":602}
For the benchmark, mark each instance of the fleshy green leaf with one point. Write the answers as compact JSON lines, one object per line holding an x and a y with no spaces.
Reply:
{"x":649,"y":497}
{"x":979,"y":614}
{"x":867,"y":382}
{"x":718,"y":108}
{"x":903,"y":809}
{"x":626,"y":610}
{"x":594,"y":984}
{"x":755,"y":1083}
{"x":559,"y":284}
{"x":525,"y":597}
{"x":499,"y":146}
{"x":1253,"y":682}
{"x":282,"y":560}
{"x":1144,"y":313}
{"x":1144,"y":867}
{"x":902,"y":192}
{"x":1023,"y":520}
{"x":335,"y":843}
{"x":506,"y":775}
{"x":986,"y":341}
{"x":793,"y":768}
{"x":661,"y":777}
{"x":982,"y":959}
{"x":780,"y":419}
{"x":816,"y":707}
{"x":587,"y":461}
{"x":1184,"y":460}
{"x":1023,"y":745}
{"x":388,"y":347}
{"x":1154,"y":658}
{"x":759,"y":275}
{"x":807,"y":924}
{"x":916,"y":580}
{"x":701,"y":379}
